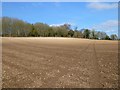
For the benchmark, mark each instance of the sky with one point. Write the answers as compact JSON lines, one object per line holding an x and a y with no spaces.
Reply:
{"x":100,"y":16}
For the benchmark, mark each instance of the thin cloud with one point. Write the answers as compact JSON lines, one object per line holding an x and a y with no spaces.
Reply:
{"x":110,"y":23}
{"x":56,"y":25}
{"x":107,"y":26}
{"x":101,"y":6}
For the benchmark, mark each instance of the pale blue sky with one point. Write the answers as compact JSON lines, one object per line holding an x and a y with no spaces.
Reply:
{"x":100,"y":16}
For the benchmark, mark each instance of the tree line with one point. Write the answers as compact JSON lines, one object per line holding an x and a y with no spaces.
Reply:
{"x":13,"y":27}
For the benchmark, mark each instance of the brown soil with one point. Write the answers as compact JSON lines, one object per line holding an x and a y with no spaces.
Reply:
{"x":59,"y":63}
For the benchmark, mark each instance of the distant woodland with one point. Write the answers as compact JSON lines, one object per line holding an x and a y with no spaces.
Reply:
{"x":13,"y":27}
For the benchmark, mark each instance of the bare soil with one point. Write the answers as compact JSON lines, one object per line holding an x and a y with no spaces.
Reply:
{"x":59,"y":63}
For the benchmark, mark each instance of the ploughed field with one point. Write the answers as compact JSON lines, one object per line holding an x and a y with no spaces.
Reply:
{"x":59,"y":63}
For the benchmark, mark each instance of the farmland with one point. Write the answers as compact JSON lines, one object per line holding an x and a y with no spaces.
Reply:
{"x":59,"y":63}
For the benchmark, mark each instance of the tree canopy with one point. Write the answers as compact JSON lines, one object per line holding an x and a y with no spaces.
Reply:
{"x":13,"y":27}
